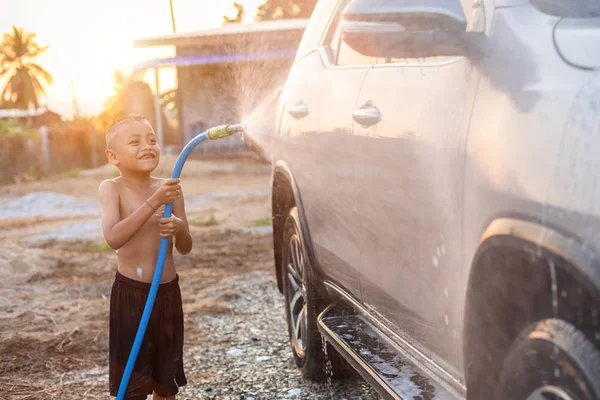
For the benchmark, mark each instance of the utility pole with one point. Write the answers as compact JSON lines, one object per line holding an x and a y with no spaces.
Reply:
{"x":158,"y":111}
{"x":172,"y":16}
{"x":74,"y":100}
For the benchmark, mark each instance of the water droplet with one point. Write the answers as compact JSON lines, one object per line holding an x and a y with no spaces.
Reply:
{"x":446,"y":292}
{"x":446,"y":319}
{"x":434,"y":261}
{"x":556,"y":372}
{"x":328,"y":367}
{"x":554,"y":287}
{"x":563,"y":293}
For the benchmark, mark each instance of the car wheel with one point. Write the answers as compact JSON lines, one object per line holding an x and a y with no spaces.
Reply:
{"x":302,"y":306}
{"x":551,"y":360}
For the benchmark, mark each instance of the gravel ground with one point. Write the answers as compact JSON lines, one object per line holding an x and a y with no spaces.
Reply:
{"x":246,"y":354}
{"x":47,"y":204}
{"x":239,"y":350}
{"x":52,"y":204}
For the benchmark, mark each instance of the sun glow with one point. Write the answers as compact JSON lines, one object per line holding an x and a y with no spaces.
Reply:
{"x":90,"y":40}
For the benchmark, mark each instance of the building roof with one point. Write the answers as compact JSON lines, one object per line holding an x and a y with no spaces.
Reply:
{"x":183,"y":61}
{"x":16,"y":113}
{"x":223,"y":33}
{"x":36,"y":117}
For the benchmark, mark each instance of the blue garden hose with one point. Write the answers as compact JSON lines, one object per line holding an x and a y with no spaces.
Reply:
{"x":211,"y":134}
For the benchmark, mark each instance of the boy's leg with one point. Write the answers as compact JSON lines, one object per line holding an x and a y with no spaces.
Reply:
{"x":168,"y":375}
{"x":126,"y":306}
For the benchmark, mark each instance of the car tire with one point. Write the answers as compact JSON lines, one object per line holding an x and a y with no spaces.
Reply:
{"x":303,"y":305}
{"x":551,"y":360}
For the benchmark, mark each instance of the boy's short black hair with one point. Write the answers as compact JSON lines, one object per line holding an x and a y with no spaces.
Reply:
{"x":120,"y":121}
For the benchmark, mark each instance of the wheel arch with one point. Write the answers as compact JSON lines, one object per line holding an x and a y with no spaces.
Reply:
{"x":285,"y":195}
{"x":522,"y":272}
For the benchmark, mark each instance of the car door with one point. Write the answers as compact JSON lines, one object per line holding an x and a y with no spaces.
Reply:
{"x":320,"y":94}
{"x":412,"y":120}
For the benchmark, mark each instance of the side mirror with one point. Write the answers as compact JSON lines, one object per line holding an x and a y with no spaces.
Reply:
{"x":405,"y":28}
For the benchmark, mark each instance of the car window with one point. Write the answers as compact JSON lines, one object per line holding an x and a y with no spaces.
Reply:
{"x":339,"y":52}
{"x":474,"y":23}
{"x":332,"y":40}
{"x":347,"y":56}
{"x":315,"y":27}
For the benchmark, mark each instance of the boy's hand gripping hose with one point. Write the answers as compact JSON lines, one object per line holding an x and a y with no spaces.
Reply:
{"x":211,"y":134}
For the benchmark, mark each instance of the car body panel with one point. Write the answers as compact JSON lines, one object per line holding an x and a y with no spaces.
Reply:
{"x":398,"y":211}
{"x":319,"y":148}
{"x":529,"y":150}
{"x":409,"y":180}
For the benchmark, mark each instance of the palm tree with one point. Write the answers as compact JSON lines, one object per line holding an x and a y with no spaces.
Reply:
{"x":24,"y":78}
{"x":116,"y":101}
{"x":114,"y":106}
{"x":239,"y":15}
{"x":279,"y":9}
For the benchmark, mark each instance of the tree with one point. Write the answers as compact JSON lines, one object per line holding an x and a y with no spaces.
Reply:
{"x":24,"y":85}
{"x":282,"y":9}
{"x":239,"y":15}
{"x":116,"y":101}
{"x":134,"y":96}
{"x":114,"y":106}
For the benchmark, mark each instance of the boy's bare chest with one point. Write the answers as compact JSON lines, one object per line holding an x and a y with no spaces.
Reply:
{"x":132,"y":200}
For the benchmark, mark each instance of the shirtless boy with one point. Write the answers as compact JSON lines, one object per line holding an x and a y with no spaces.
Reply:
{"x":132,"y":207}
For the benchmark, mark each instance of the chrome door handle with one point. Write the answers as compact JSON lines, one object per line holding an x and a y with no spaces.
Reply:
{"x":298,"y":111}
{"x":367,"y":115}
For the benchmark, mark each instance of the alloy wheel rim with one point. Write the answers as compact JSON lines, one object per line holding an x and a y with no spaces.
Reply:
{"x":295,"y":265}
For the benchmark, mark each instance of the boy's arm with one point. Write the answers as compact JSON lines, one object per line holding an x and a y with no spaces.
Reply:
{"x":117,"y":232}
{"x":183,"y":238}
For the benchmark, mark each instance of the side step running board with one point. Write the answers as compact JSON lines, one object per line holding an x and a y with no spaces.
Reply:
{"x":367,"y":350}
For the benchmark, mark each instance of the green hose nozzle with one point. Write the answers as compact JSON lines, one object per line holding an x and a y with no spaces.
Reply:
{"x":222,"y":131}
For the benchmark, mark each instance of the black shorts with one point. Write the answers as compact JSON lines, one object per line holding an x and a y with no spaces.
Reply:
{"x":159,"y":366}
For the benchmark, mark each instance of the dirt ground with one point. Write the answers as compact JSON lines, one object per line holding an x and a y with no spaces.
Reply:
{"x":56,"y":273}
{"x":54,"y":292}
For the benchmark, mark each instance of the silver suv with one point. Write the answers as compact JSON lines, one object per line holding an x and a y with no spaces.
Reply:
{"x":436,"y":197}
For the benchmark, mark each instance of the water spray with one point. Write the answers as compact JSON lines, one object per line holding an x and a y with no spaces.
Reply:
{"x":215,"y":133}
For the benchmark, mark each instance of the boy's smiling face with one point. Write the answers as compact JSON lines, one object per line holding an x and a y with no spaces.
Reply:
{"x":133,"y":146}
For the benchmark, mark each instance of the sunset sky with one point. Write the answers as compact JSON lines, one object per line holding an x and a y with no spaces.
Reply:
{"x":90,"y":39}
